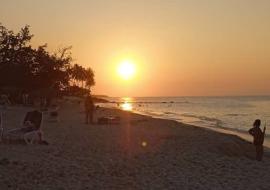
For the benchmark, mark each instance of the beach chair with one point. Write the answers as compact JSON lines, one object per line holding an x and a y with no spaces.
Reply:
{"x":27,"y":133}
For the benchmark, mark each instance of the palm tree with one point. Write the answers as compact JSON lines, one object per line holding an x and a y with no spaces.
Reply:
{"x":89,"y":78}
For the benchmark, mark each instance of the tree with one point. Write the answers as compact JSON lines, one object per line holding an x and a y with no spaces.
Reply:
{"x":16,"y":57}
{"x":89,"y":78}
{"x":26,"y":68}
{"x":82,"y":77}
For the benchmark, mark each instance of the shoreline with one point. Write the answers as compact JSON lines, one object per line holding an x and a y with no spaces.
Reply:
{"x":242,"y":134}
{"x":140,"y":152}
{"x":229,"y":113}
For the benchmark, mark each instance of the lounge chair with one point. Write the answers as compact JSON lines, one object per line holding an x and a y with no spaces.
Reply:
{"x":31,"y":128}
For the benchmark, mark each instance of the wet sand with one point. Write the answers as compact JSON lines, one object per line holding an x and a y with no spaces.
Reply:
{"x":139,"y":153}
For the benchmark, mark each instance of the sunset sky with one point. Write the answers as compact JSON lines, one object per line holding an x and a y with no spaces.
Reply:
{"x":178,"y":47}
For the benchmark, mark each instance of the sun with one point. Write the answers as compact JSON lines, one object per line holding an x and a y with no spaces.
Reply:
{"x":126,"y":69}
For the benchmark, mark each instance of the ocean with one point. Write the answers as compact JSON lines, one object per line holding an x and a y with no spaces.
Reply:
{"x":232,"y":113}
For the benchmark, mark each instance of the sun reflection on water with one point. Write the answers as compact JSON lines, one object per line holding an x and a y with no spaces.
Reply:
{"x":127,"y":106}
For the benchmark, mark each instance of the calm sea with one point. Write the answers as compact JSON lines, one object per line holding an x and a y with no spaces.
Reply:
{"x":233,"y":113}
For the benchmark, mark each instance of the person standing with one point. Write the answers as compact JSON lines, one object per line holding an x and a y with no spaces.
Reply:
{"x":258,"y":138}
{"x":89,"y":109}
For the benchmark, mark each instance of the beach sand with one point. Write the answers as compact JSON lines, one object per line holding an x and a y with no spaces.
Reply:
{"x":139,"y":153}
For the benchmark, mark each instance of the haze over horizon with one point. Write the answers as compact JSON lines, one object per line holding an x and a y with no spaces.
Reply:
{"x":179,"y":48}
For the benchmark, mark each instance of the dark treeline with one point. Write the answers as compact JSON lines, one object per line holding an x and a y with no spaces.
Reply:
{"x":24,"y":69}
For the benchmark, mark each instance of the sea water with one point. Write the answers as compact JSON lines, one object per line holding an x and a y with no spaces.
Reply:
{"x":233,"y":113}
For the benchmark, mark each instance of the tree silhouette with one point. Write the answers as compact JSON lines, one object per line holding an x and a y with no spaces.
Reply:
{"x":89,"y":78}
{"x":25,"y":68}
{"x":82,"y":77}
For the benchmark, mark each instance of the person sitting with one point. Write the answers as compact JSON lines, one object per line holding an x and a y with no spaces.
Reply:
{"x":31,"y":128}
{"x":31,"y":123}
{"x":258,"y":138}
{"x":33,"y":120}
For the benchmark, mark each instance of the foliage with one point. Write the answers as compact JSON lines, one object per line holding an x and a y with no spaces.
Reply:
{"x":82,"y":77}
{"x":25,"y":68}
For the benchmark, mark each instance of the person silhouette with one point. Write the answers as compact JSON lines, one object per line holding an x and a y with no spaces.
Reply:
{"x":258,"y":138}
{"x":89,"y":109}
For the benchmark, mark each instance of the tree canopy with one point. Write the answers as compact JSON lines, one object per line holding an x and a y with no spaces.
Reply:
{"x":30,"y":69}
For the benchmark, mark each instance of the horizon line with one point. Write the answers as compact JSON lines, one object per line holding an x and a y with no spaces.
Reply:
{"x":199,"y":96}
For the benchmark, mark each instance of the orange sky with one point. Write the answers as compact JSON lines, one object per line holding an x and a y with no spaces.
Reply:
{"x":181,"y":48}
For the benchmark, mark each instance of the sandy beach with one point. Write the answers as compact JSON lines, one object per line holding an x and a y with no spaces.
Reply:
{"x":139,"y":153}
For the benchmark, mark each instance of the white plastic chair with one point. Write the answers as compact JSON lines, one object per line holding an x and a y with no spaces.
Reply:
{"x":28,"y":137}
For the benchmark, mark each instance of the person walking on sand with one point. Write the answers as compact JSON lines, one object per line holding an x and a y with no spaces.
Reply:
{"x":258,"y":138}
{"x":89,"y":109}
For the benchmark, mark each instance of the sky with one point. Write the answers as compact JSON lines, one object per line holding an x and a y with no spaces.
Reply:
{"x":179,"y":47}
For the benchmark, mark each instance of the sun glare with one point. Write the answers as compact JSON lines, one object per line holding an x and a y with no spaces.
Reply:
{"x":126,"y":69}
{"x":127,"y":106}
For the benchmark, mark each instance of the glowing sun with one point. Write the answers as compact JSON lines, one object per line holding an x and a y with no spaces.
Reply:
{"x":126,"y":69}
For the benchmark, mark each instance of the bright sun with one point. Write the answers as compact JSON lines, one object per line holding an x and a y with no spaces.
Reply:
{"x":126,"y":69}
